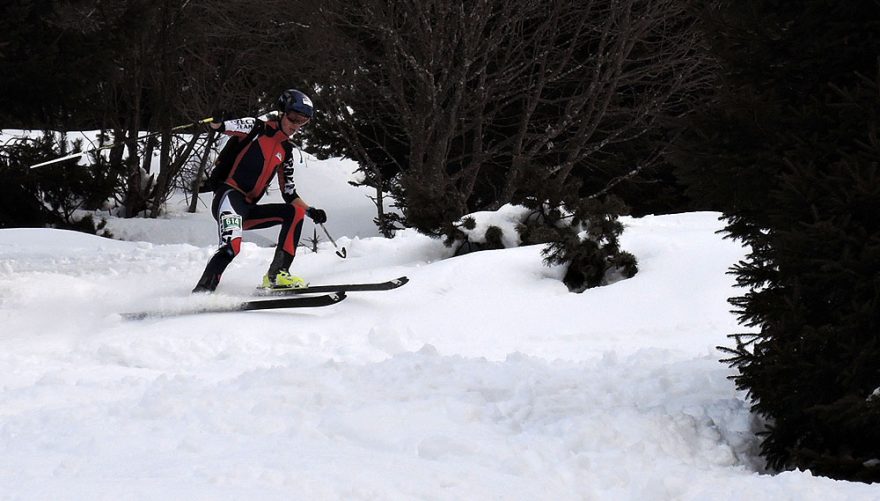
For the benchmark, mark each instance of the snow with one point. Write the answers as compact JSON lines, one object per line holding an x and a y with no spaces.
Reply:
{"x":482,"y":378}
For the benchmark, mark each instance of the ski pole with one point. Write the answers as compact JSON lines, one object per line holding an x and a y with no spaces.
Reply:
{"x":339,"y":251}
{"x":107,"y":146}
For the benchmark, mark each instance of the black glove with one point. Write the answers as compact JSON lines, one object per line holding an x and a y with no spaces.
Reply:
{"x":217,"y":121}
{"x":219,"y":116}
{"x":317,"y":215}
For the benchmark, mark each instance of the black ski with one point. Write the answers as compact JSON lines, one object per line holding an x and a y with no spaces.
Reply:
{"x":377,"y":286}
{"x":266,"y":304}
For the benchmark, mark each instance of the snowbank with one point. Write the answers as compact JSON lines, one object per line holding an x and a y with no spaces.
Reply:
{"x":481,"y":378}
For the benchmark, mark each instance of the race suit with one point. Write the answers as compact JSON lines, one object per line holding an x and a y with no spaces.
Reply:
{"x":264,"y":152}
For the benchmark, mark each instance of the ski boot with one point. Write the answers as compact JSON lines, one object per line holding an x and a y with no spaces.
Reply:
{"x":283,"y":280}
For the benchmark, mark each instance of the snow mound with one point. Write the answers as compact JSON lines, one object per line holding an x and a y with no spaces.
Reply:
{"x":481,"y":378}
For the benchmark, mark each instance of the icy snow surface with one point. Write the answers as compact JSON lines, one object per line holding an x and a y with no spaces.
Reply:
{"x":483,"y":378}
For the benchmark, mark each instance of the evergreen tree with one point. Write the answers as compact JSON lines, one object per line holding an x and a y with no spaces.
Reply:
{"x":20,"y":204}
{"x":49,"y":197}
{"x":790,"y":153}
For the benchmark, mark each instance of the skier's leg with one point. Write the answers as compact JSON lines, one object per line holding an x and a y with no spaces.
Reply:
{"x":229,"y":209}
{"x":291,"y":220}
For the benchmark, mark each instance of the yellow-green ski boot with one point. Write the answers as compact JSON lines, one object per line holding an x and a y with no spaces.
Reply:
{"x":284,"y":280}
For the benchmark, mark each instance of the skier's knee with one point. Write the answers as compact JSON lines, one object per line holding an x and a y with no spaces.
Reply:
{"x":232,"y":247}
{"x":230,"y":233}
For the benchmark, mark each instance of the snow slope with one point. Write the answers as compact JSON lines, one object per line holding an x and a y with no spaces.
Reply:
{"x":481,"y":378}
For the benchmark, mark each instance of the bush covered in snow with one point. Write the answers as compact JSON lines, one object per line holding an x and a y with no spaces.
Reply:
{"x":590,"y":251}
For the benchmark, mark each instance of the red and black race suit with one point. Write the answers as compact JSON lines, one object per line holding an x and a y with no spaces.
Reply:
{"x":268,"y":153}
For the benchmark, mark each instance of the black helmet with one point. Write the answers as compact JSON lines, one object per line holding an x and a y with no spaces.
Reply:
{"x":294,"y":100}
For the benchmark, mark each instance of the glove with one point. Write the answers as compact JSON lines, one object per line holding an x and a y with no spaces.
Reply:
{"x":219,"y":116}
{"x":317,"y":215}
{"x":217,"y":119}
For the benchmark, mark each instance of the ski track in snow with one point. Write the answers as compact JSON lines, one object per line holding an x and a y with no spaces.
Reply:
{"x":481,"y":378}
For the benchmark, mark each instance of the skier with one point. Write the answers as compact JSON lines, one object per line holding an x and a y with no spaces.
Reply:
{"x":257,"y":151}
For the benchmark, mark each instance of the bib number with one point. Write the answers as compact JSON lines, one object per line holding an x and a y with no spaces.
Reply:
{"x":230,"y":226}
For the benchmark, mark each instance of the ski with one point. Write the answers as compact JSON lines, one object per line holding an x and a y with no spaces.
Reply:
{"x":377,"y":286}
{"x":266,"y":304}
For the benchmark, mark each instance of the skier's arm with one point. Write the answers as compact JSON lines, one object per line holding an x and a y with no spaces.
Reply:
{"x":239,"y":127}
{"x":288,"y":189}
{"x":285,"y":179}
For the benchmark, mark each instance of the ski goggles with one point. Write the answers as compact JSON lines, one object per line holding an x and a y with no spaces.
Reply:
{"x":297,"y":118}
